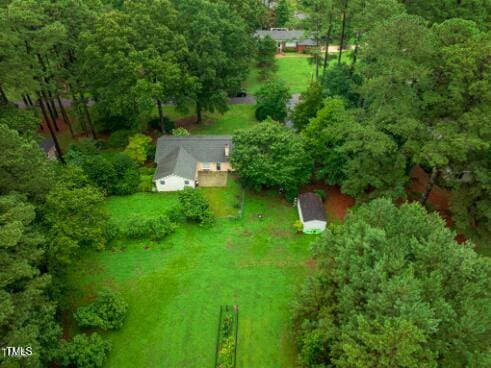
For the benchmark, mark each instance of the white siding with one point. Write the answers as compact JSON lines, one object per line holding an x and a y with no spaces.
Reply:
{"x":311,"y":225}
{"x":314,"y":225}
{"x":173,"y":183}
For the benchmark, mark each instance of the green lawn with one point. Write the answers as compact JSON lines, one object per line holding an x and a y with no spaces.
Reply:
{"x":224,"y":202}
{"x":294,"y":69}
{"x":175,"y":289}
{"x":237,"y":117}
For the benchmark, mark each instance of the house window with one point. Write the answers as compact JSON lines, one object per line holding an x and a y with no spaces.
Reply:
{"x":162,"y":182}
{"x":219,"y":166}
{"x":206,"y":166}
{"x":186,"y":182}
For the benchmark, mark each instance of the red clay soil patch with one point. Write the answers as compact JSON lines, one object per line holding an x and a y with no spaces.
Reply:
{"x":62,"y":127}
{"x":439,"y":197}
{"x":337,"y":203}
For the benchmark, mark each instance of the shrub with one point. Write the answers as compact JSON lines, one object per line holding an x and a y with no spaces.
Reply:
{"x":298,"y":226}
{"x":111,"y":123}
{"x":85,"y":351}
{"x":194,"y":206}
{"x":119,"y":139}
{"x":146,"y":183}
{"x":180,"y":132}
{"x":321,"y":193}
{"x":107,"y":312}
{"x":100,"y":171}
{"x":111,"y":231}
{"x":127,"y":177}
{"x":151,"y":151}
{"x":153,"y":228}
{"x":168,"y":124}
{"x":138,"y":147}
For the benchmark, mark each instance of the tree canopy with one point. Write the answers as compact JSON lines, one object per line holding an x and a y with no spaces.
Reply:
{"x":393,"y":288}
{"x":269,"y":155}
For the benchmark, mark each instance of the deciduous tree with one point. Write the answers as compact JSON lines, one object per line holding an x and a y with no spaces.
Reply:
{"x":269,"y":155}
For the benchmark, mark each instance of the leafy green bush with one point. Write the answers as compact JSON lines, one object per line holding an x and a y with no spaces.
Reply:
{"x":138,"y":147}
{"x":180,"y":132}
{"x":194,"y":206}
{"x":119,"y":139}
{"x":85,"y":351}
{"x":298,"y":226}
{"x":100,"y":171}
{"x":146,"y":183}
{"x":151,"y":151}
{"x":127,"y":177}
{"x":111,"y":123}
{"x":107,"y":312}
{"x":153,"y":228}
{"x":321,"y":193}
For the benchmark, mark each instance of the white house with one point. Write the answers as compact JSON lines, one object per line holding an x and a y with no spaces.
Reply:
{"x":312,"y":213}
{"x":192,"y":161}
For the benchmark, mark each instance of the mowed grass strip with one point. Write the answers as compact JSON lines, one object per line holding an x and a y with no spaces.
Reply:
{"x":296,"y":70}
{"x":175,"y":289}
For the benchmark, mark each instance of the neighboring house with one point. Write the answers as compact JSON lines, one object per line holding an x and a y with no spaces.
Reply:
{"x":48,"y":146}
{"x":312,"y":213}
{"x":192,"y":161}
{"x":288,"y":39}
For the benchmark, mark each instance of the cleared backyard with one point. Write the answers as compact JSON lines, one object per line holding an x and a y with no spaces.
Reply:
{"x":175,"y":287}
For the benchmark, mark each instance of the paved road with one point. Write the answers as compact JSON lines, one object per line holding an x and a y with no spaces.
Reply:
{"x":248,"y":100}
{"x":66,"y":102}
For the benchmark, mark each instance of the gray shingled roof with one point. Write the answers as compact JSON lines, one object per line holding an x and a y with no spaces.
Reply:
{"x":311,"y":207}
{"x":47,"y":144}
{"x":293,"y":35}
{"x":180,"y":155}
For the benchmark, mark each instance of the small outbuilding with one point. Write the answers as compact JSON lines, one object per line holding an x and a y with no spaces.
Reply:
{"x":312,"y":213}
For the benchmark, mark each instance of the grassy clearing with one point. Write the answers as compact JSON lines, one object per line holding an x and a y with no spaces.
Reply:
{"x":295,"y":70}
{"x":224,"y":202}
{"x":175,"y":288}
{"x":237,"y":117}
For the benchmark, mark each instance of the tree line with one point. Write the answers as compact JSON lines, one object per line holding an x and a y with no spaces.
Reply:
{"x":128,"y":56}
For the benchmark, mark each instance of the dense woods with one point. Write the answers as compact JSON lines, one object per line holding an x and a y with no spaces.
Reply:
{"x":392,"y":288}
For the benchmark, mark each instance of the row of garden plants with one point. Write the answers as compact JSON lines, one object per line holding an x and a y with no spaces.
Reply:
{"x":226,"y":350}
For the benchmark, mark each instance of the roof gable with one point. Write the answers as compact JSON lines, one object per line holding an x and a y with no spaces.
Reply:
{"x":180,"y":155}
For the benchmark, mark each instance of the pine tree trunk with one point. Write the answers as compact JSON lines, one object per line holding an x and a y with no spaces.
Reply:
{"x":87,"y":115}
{"x":343,"y":32}
{"x":65,"y":116}
{"x":328,"y":38}
{"x":79,"y":114}
{"x":51,"y":131}
{"x":24,"y":99}
{"x":161,"y":115}
{"x":51,"y":113}
{"x":429,"y":187}
{"x":29,"y":99}
{"x":355,"y":51}
{"x":3,"y":97}
{"x":53,"y":106}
